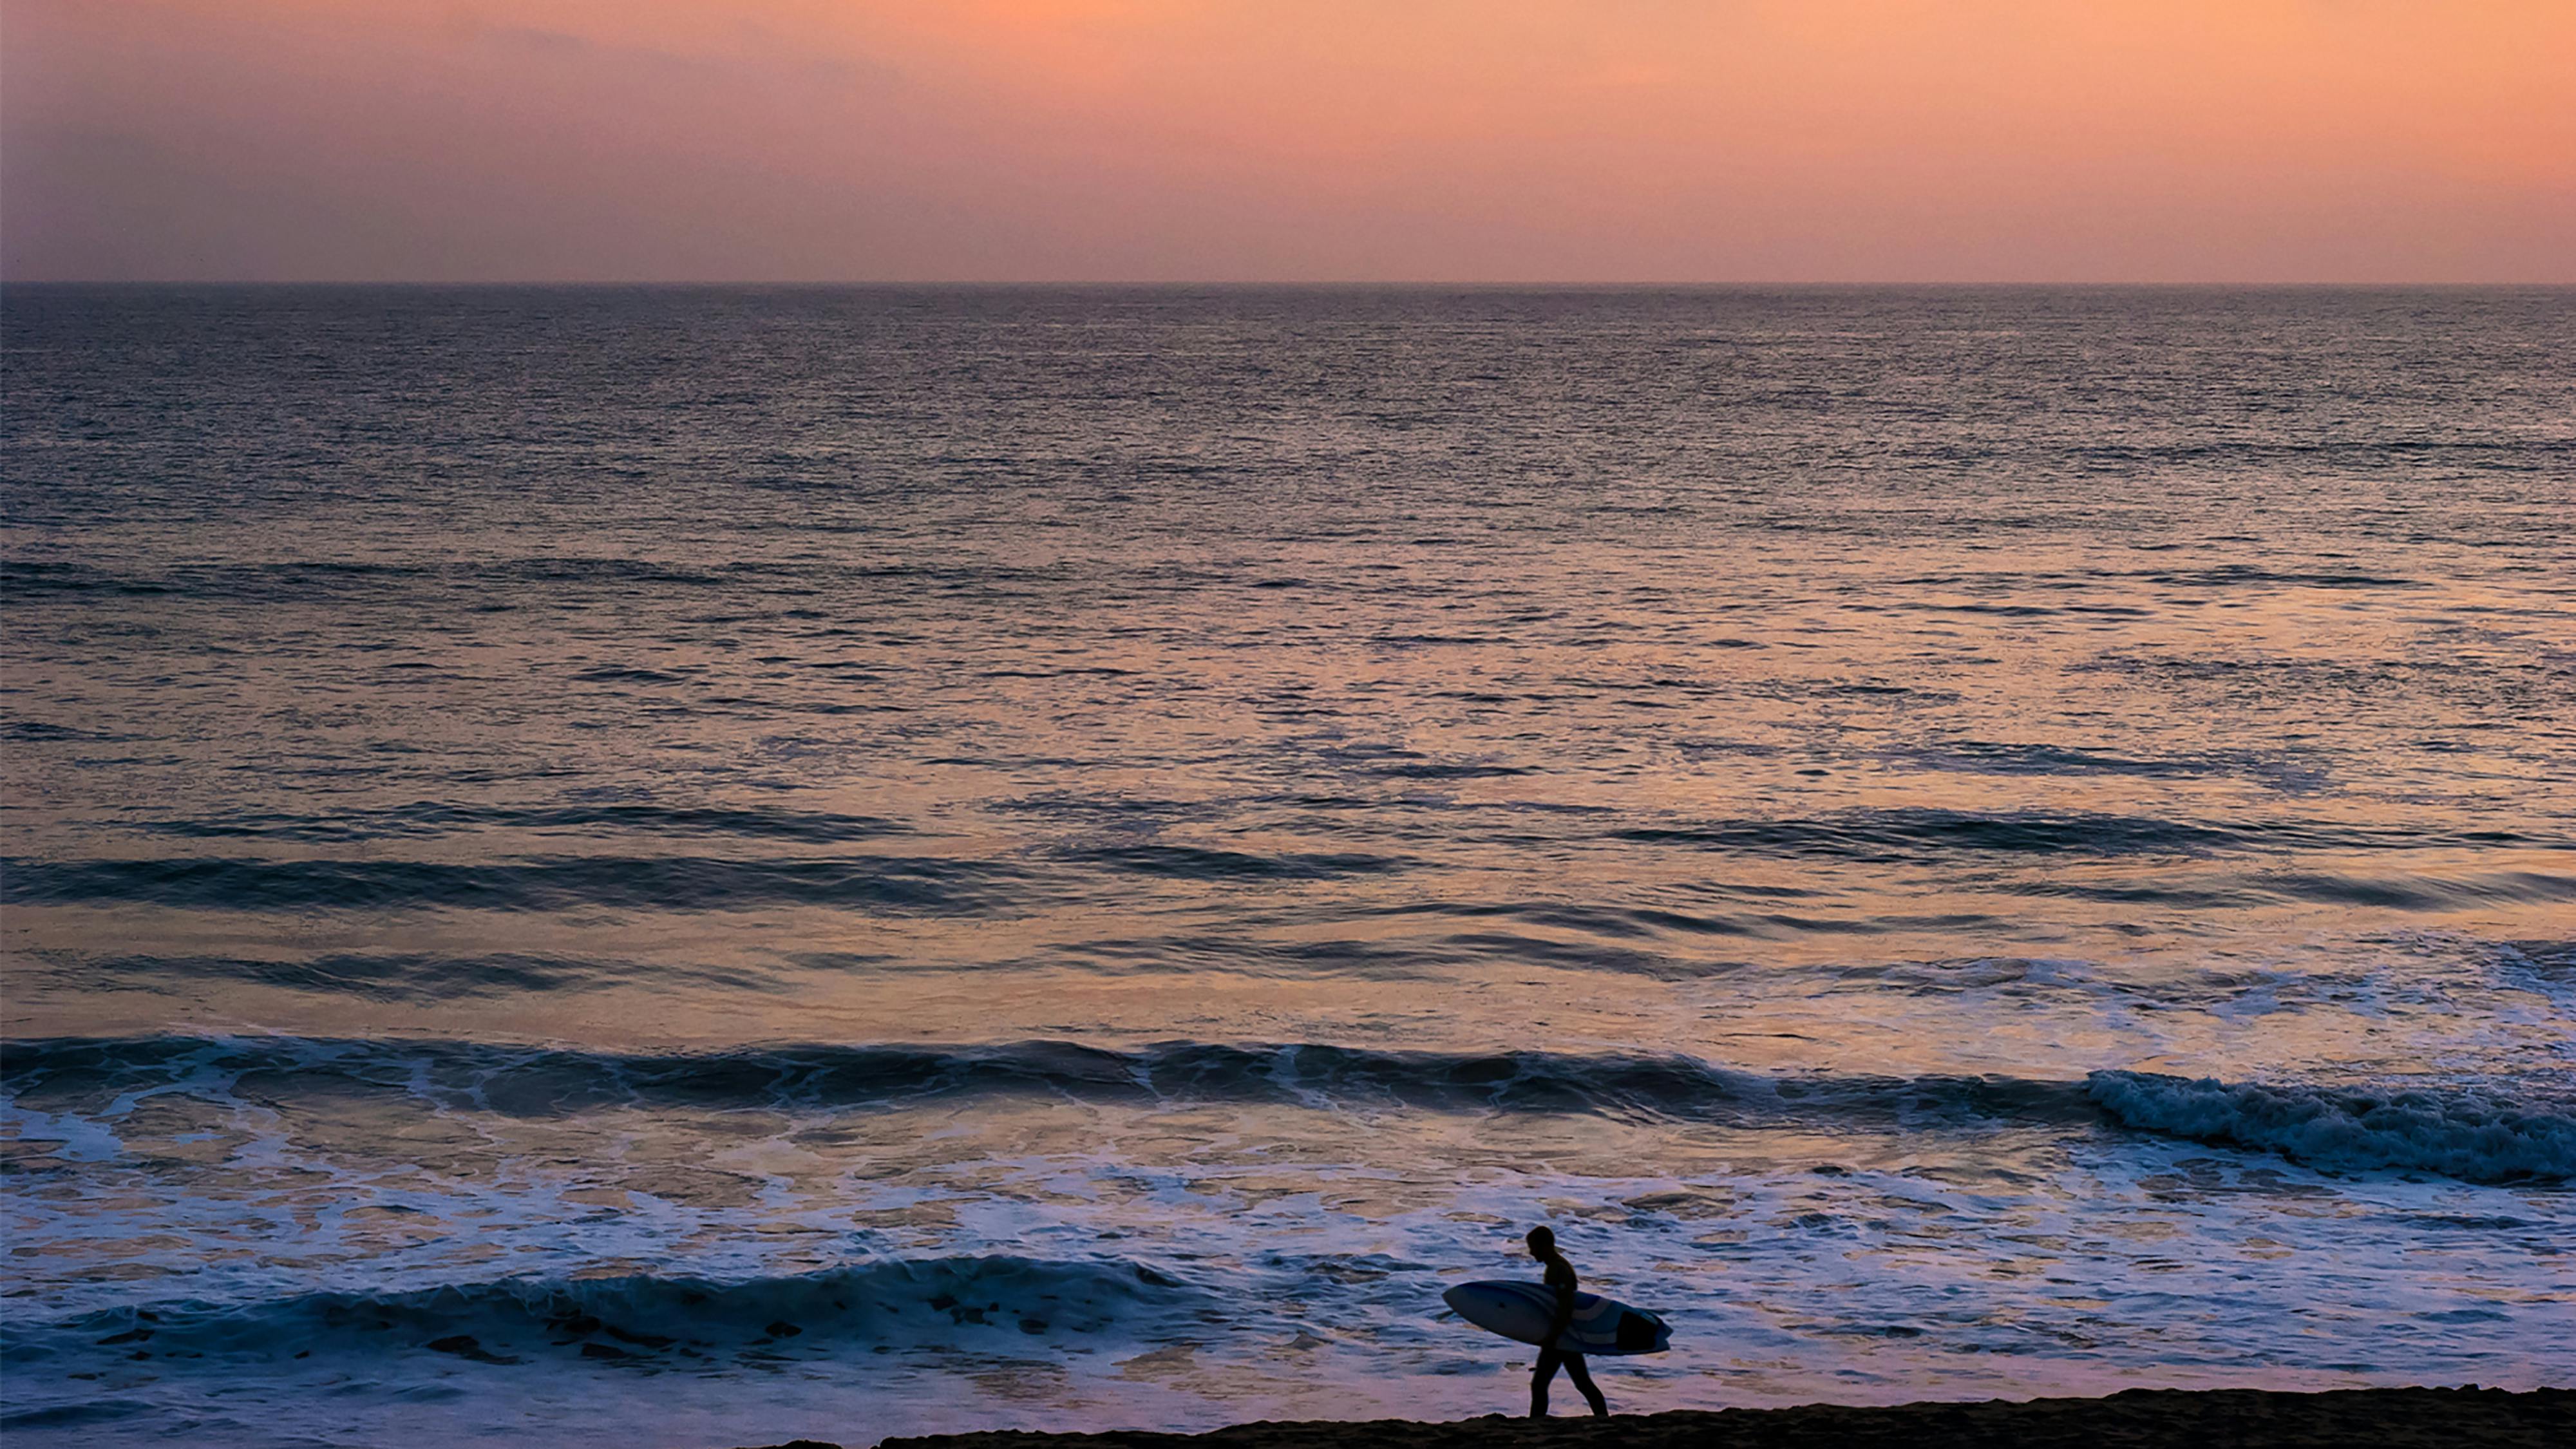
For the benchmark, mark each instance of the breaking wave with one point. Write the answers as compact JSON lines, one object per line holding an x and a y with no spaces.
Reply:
{"x":878,"y":883}
{"x":2455,"y":1135}
{"x":645,"y":1317}
{"x":2465,"y":1136}
{"x":66,"y":1074}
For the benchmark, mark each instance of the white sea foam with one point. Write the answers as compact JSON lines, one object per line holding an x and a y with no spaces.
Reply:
{"x":2459,"y":1135}
{"x":916,"y":1303}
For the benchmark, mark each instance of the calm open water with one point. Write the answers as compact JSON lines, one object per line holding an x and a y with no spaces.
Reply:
{"x":693,"y":867}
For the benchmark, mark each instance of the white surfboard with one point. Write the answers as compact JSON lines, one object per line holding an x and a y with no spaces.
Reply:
{"x":1523,"y":1311}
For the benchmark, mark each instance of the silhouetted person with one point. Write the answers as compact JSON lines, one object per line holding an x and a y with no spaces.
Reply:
{"x":1560,"y":1277}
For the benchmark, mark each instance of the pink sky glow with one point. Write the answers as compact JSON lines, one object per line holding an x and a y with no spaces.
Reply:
{"x":1291,"y":140}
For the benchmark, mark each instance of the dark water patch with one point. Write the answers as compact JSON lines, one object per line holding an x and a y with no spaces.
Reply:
{"x":1432,"y":771}
{"x":1516,"y":949}
{"x":628,"y":674}
{"x":1309,"y":800}
{"x":215,"y":581}
{"x":2007,"y":611}
{"x":40,"y":732}
{"x":92,"y":1075}
{"x":1196,"y":863}
{"x":431,"y":818}
{"x":1202,"y":954}
{"x":402,"y":976}
{"x":300,"y":581}
{"x":1633,"y":923}
{"x":1975,"y":973}
{"x":1418,"y":802}
{"x":1423,"y":641}
{"x":2423,"y":892}
{"x":73,"y":1416}
{"x":1990,"y":758}
{"x":2469,"y":1222}
{"x":2226,"y":576}
{"x":623,"y":571}
{"x":2518,"y":688}
{"x":1914,"y":833}
{"x":2177,"y":896}
{"x":858,"y":961}
{"x":1776,"y":925}
{"x":1904,"y":834}
{"x":652,"y":883}
{"x":1108,"y":812}
{"x":1433,"y":958}
{"x":1868,"y":688}
{"x":1984,"y":757}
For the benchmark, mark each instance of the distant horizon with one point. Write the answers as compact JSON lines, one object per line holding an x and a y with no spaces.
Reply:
{"x":1395,"y":284}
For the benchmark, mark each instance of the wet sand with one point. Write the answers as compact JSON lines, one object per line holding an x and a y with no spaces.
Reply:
{"x":2463,"y":1418}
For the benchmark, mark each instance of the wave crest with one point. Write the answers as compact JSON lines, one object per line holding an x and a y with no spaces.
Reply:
{"x":2455,"y":1135}
{"x":90,"y":1083}
{"x":643,"y":1316}
{"x":83,"y":1075}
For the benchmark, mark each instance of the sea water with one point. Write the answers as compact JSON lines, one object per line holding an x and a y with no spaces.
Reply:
{"x":694,"y":867}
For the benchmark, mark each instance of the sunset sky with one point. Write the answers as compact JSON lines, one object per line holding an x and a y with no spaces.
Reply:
{"x":1467,"y":140}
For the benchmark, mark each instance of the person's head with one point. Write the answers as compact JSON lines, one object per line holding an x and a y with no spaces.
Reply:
{"x":1542,"y":1242}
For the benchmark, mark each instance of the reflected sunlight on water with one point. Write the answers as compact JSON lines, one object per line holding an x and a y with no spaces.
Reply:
{"x":1954,"y":842}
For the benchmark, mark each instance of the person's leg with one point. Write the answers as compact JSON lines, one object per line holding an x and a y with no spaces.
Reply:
{"x":1581,"y":1373}
{"x":1548,"y":1359}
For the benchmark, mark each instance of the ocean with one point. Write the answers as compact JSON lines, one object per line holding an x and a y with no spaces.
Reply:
{"x":692,"y":867}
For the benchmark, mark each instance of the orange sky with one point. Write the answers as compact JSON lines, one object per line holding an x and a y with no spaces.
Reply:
{"x":1550,"y":140}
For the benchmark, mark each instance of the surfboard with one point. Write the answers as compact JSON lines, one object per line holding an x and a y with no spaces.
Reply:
{"x":1522,"y":1311}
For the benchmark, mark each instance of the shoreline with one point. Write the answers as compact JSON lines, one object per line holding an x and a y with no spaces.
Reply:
{"x":2434,"y":1418}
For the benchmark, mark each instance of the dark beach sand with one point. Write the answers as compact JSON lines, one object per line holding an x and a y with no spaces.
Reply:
{"x":2185,"y":1419}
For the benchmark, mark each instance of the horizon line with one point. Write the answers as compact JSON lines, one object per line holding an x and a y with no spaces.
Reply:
{"x":1288,"y":284}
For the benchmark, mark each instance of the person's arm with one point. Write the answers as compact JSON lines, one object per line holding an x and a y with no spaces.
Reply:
{"x":1564,"y":1319}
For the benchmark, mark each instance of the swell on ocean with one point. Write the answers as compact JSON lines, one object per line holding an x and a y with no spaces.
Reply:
{"x":712,"y":865}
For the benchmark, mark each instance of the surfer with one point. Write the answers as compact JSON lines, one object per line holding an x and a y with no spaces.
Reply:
{"x":1560,"y":1277}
